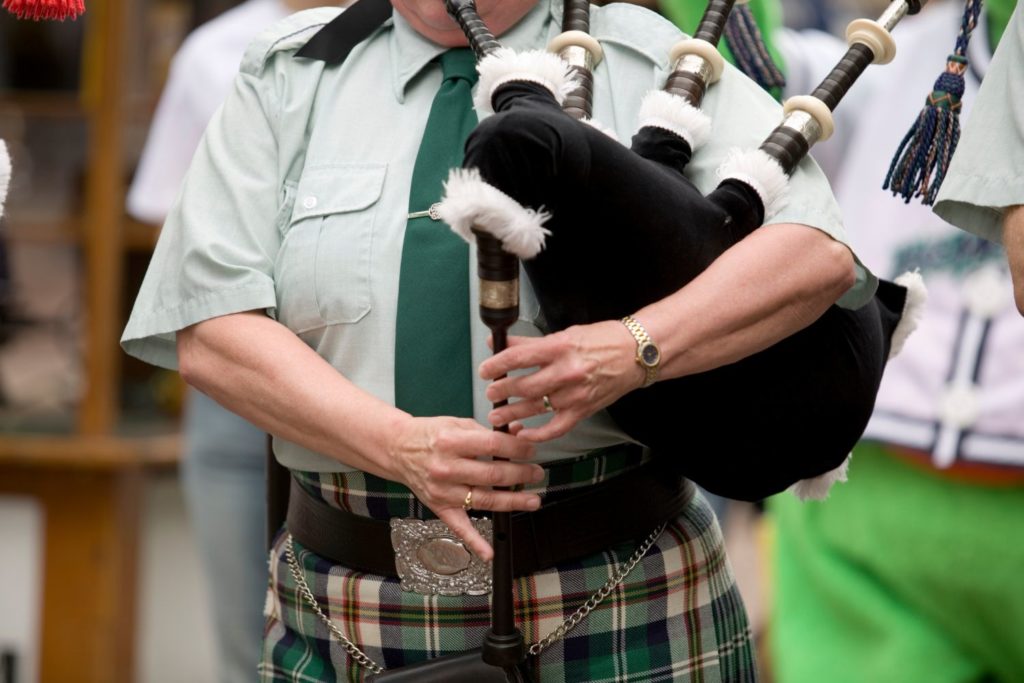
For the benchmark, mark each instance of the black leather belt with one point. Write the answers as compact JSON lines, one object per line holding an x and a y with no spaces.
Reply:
{"x":582,"y":522}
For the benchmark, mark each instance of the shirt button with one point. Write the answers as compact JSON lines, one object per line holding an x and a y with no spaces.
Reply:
{"x":309,"y":202}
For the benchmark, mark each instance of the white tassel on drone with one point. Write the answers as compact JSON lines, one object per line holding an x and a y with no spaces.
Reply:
{"x":536,"y":66}
{"x":762,"y":173}
{"x":670,"y":112}
{"x":913,"y":309}
{"x":817,"y":488}
{"x":470,"y":202}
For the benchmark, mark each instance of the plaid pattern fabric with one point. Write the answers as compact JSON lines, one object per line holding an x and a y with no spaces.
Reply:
{"x":370,"y":496}
{"x":676,"y":617}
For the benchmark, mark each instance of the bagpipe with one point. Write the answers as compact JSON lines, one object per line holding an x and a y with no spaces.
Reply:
{"x":576,"y":206}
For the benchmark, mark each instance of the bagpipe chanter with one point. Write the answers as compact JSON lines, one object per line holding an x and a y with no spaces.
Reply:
{"x":574,"y":205}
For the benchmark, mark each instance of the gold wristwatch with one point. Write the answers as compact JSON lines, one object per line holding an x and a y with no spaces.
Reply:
{"x":648,"y":355}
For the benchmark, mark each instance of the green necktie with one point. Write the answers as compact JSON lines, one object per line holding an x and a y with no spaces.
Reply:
{"x":433,"y":360}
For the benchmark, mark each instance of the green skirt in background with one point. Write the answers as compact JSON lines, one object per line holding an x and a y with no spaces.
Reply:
{"x":903,"y":575}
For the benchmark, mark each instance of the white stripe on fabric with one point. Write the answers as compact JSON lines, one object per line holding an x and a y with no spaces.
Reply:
{"x":367,"y":630}
{"x":920,"y":434}
{"x":979,"y":447}
{"x":432,"y":625}
{"x":619,"y":629}
{"x":971,"y":340}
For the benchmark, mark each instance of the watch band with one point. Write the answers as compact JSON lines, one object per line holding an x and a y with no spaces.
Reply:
{"x":644,"y":342}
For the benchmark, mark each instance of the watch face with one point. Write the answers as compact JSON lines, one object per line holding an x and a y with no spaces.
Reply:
{"x":649,"y":354}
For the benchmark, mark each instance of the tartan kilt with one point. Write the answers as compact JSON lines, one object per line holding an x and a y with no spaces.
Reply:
{"x":678,"y":615}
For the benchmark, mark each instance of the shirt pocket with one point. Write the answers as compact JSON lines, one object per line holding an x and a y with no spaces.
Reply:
{"x":324,"y":268}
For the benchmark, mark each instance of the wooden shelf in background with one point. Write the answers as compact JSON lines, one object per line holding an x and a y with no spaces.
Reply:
{"x":137,"y":236}
{"x":89,"y":580}
{"x":89,"y":452}
{"x":90,"y":489}
{"x":88,"y":476}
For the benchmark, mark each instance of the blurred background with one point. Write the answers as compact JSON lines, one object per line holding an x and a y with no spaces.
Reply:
{"x":100,"y":575}
{"x":98,"y":570}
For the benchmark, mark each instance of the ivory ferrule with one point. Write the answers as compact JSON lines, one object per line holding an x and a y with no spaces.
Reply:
{"x":571,"y":44}
{"x":814,"y":109}
{"x":698,"y":57}
{"x":875,"y":37}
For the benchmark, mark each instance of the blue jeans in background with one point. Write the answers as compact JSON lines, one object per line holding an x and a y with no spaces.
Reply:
{"x":223,"y":474}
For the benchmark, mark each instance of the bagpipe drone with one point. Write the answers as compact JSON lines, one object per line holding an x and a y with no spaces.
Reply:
{"x":575,"y":205}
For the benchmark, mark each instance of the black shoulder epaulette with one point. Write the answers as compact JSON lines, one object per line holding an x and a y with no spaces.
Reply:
{"x":334,"y":41}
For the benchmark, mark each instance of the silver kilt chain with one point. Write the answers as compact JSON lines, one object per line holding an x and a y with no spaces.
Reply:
{"x":351,"y":648}
{"x":570,"y":623}
{"x":597,"y":598}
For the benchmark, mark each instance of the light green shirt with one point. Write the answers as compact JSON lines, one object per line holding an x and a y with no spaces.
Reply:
{"x":984,"y":177}
{"x":297,"y":198}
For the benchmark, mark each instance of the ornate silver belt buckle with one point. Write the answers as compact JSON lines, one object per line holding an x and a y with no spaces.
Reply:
{"x":431,"y":560}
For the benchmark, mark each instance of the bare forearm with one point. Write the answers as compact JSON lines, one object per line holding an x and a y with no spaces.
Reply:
{"x":262,"y":371}
{"x":749,"y":299}
{"x":1013,"y":240}
{"x":770,"y":285}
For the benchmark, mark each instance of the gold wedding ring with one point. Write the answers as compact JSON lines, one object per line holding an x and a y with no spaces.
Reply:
{"x":467,"y":503}
{"x":547,"y":404}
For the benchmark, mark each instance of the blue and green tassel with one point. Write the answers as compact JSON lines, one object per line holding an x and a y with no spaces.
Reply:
{"x":923,"y":157}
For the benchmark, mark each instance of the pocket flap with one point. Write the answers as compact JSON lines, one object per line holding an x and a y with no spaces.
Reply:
{"x":338,"y":189}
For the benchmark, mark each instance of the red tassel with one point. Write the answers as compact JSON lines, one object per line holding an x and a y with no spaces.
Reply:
{"x":45,"y":9}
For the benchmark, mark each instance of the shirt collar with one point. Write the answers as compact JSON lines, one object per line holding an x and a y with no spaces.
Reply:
{"x":411,"y":52}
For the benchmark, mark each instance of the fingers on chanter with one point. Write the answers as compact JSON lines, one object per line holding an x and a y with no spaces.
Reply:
{"x":504,"y":501}
{"x":485,"y":499}
{"x":522,"y":352}
{"x":486,"y":473}
{"x":519,"y":410}
{"x":521,"y":386}
{"x":560,"y":424}
{"x":510,"y":340}
{"x":485,"y":442}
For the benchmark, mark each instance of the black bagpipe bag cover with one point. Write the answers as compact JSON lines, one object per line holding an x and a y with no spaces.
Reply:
{"x":628,"y":228}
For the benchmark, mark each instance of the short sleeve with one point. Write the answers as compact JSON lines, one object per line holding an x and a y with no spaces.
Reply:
{"x":216,"y":253}
{"x":984,"y":176}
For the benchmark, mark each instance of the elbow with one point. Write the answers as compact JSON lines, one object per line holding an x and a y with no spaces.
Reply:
{"x":839,"y":267}
{"x":1016,"y":261}
{"x":1015,"y":257}
{"x":1013,"y":242}
{"x":824,"y":268}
